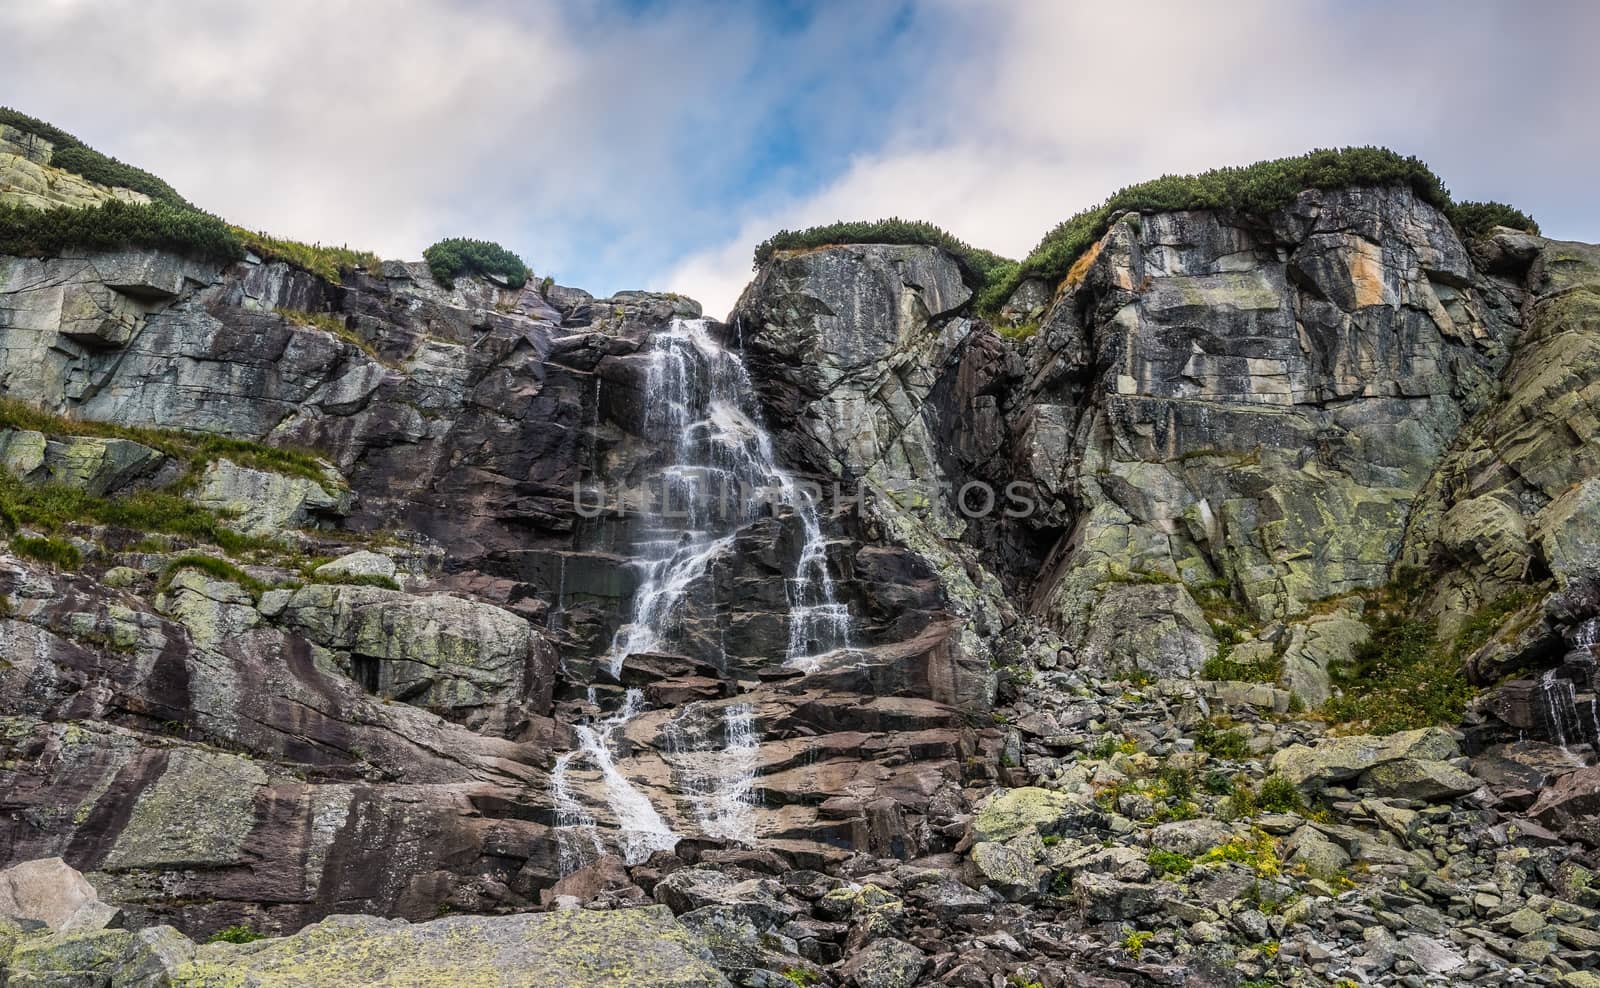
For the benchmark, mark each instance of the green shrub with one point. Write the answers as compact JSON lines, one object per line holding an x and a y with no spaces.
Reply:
{"x":72,"y":155}
{"x":1134,"y":942}
{"x":328,"y":263}
{"x":450,"y":259}
{"x":235,"y":934}
{"x":1242,"y":799}
{"x":1218,"y":783}
{"x":115,"y":225}
{"x":1279,"y":795}
{"x":1258,"y":850}
{"x":1177,"y":780}
{"x":1222,"y":744}
{"x":51,"y":552}
{"x":1169,"y":863}
{"x":1474,"y":219}
{"x":978,"y":267}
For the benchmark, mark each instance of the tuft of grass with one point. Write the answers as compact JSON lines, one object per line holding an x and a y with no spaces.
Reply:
{"x":52,"y":507}
{"x":457,"y":256}
{"x":360,"y":580}
{"x":335,"y":325}
{"x":1482,"y":625}
{"x":51,"y":552}
{"x":330,"y":264}
{"x":1019,"y":332}
{"x":217,"y":569}
{"x":236,"y":934}
{"x":198,"y":448}
{"x":1134,"y":942}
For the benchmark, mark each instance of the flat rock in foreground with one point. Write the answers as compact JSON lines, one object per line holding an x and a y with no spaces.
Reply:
{"x":644,"y":948}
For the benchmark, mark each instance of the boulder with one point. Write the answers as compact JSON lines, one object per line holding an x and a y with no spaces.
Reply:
{"x":570,"y":949}
{"x":1344,"y":758}
{"x":1314,"y":646}
{"x":52,"y":892}
{"x":362,"y":563}
{"x":1190,"y":837}
{"x":1007,"y":870}
{"x":1009,"y":813}
{"x":1571,"y":805}
{"x":1106,"y":899}
{"x":763,"y":901}
{"x":435,"y":650}
{"x":885,"y":963}
{"x":257,"y":502}
{"x":1415,"y":778}
{"x":93,"y":465}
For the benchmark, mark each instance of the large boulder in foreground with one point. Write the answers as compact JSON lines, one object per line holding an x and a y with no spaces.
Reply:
{"x":642,"y":948}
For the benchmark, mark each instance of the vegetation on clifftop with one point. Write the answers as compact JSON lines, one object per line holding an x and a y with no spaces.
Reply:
{"x":328,"y":263}
{"x":1474,"y":219}
{"x":72,"y":155}
{"x":457,"y":256}
{"x":115,"y":225}
{"x":1254,"y":189}
{"x":980,"y":267}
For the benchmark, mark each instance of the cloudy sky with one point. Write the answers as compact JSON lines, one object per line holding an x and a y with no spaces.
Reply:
{"x":651,"y":143}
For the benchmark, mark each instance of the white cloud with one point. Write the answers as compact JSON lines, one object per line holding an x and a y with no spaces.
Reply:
{"x":614,"y":144}
{"x":1061,"y":104}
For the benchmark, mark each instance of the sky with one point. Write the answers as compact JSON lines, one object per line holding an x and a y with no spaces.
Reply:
{"x":618,"y":144}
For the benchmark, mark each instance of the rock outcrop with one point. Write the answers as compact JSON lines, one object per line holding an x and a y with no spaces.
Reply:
{"x":304,"y":614}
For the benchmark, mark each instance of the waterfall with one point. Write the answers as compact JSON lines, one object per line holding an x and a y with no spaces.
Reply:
{"x":714,"y":762}
{"x":643,"y":830}
{"x":1555,"y":700}
{"x":721,"y":474}
{"x":559,"y":606}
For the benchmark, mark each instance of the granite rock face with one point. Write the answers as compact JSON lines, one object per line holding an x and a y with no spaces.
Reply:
{"x":1216,"y":399}
{"x":378,"y":678}
{"x":390,"y":750}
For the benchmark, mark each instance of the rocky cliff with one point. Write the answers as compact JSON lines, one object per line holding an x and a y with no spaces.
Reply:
{"x":307,"y":612}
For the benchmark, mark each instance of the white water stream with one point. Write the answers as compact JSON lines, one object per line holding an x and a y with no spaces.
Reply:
{"x":721,"y":475}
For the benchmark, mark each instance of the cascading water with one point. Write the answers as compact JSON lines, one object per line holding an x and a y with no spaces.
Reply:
{"x":713,"y":754}
{"x":721,"y":475}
